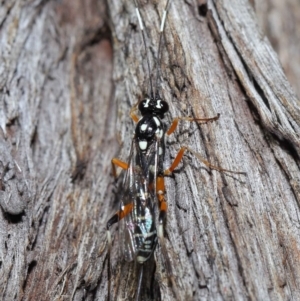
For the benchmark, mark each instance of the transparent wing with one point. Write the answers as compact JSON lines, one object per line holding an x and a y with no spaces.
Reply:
{"x":139,"y":189}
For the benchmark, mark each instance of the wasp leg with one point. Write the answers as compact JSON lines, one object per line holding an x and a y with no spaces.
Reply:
{"x":163,"y":206}
{"x":201,"y":120}
{"x":211,"y":166}
{"x":160,"y":185}
{"x":180,"y":154}
{"x":176,"y":161}
{"x":117,"y":162}
{"x":133,"y":114}
{"x":125,"y":210}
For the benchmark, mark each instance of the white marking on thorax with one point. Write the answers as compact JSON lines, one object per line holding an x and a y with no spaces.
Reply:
{"x":156,"y":121}
{"x":158,"y":104}
{"x":143,"y":127}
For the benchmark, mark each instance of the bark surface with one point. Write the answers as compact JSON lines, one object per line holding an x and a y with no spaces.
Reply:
{"x":70,"y":72}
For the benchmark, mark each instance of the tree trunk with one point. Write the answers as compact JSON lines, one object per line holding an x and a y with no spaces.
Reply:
{"x":70,"y":73}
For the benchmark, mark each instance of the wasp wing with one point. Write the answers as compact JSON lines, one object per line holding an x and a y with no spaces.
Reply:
{"x":138,"y":230}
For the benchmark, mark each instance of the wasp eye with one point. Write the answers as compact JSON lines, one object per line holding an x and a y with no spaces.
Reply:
{"x":144,"y":106}
{"x":161,"y":106}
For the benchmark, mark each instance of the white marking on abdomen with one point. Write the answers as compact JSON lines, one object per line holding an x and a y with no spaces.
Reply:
{"x":141,"y":259}
{"x":159,"y":133}
{"x":143,"y":145}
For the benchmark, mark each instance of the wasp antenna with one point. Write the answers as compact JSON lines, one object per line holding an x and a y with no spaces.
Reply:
{"x":137,"y":10}
{"x":161,"y":30}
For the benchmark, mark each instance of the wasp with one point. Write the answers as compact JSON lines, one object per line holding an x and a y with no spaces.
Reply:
{"x":143,"y":203}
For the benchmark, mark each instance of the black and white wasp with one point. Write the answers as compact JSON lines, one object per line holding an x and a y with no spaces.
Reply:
{"x":143,"y":184}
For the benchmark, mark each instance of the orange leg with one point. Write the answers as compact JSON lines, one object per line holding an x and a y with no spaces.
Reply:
{"x":133,"y":115}
{"x":117,"y":162}
{"x":176,"y":161}
{"x":119,"y":215}
{"x":211,"y":166}
{"x":200,"y":158}
{"x":163,"y":206}
{"x":125,"y":210}
{"x":201,"y":120}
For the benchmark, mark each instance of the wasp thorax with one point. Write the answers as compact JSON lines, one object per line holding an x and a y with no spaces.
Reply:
{"x":153,"y":106}
{"x":147,"y":129}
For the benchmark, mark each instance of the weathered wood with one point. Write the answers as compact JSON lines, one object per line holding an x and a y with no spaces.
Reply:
{"x":70,"y":73}
{"x":280,"y":21}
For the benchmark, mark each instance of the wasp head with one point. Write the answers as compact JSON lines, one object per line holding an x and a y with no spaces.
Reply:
{"x":151,"y":106}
